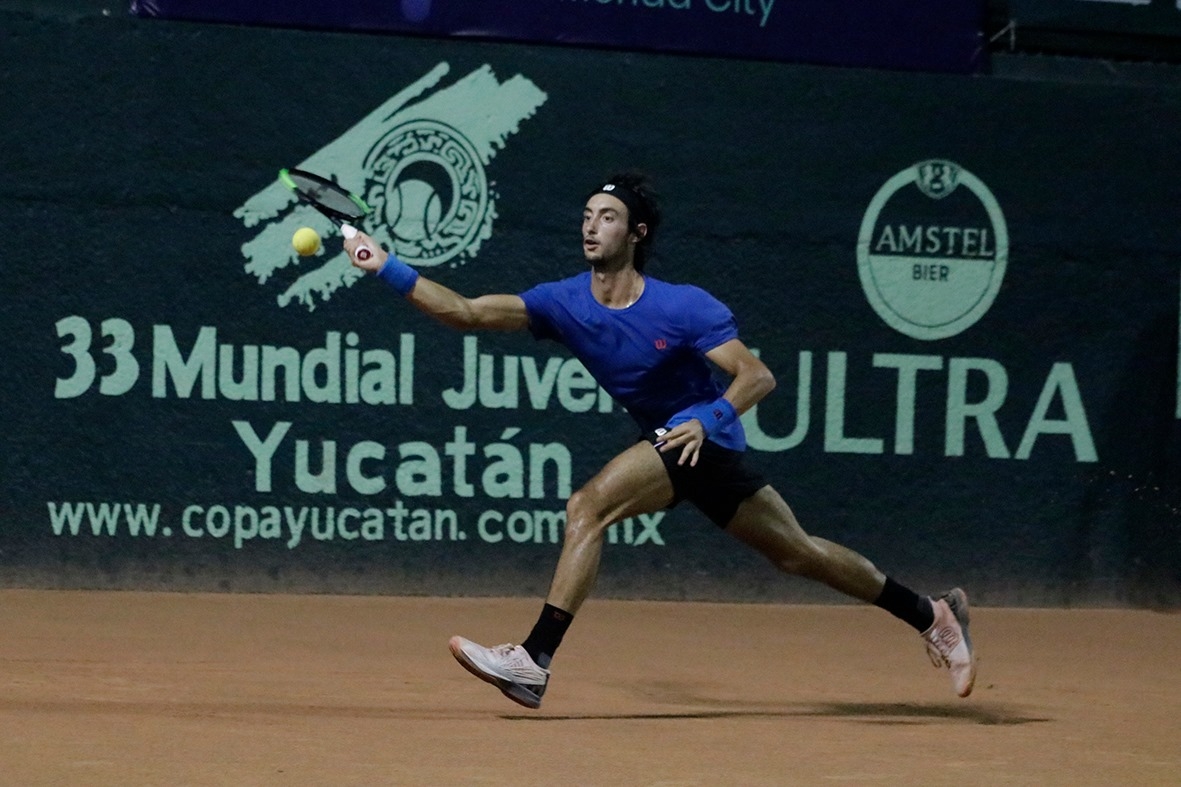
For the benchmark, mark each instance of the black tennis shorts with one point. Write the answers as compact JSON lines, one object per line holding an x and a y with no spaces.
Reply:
{"x":717,"y":484}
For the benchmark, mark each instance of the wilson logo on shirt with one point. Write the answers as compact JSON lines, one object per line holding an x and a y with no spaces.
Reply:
{"x":660,"y":344}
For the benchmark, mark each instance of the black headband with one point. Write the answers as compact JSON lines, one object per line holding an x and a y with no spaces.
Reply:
{"x":637,"y":210}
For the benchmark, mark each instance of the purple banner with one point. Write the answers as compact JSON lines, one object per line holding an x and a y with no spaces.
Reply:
{"x":920,"y":35}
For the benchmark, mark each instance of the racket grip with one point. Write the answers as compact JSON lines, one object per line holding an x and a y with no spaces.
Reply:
{"x":349,"y":231}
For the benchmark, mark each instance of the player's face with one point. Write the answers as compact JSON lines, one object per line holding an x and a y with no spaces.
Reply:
{"x":605,"y":236}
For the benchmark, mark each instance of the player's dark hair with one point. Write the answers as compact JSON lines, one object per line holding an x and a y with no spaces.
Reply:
{"x":635,"y":191}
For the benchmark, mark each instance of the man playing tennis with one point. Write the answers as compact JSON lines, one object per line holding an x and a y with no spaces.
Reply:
{"x":647,"y":342}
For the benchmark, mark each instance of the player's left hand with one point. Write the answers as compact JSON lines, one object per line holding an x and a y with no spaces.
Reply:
{"x":688,"y":437}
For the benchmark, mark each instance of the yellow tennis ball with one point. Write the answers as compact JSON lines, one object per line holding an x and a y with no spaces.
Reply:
{"x":306,"y":241}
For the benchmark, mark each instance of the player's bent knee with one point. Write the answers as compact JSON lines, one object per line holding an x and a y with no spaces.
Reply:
{"x":577,"y":506}
{"x":582,"y":519}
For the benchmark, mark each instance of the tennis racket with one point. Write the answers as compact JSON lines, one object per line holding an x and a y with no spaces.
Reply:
{"x":330,"y":198}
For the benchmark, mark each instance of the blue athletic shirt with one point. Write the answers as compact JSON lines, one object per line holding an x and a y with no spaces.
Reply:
{"x":649,"y":356}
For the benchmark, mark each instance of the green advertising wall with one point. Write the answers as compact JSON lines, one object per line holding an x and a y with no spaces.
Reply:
{"x":1146,"y":30}
{"x":968,"y":289}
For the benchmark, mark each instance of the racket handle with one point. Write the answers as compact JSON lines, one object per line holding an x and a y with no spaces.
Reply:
{"x":349,"y":231}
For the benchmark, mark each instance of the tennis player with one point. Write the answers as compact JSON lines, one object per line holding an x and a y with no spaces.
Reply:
{"x":647,"y":342}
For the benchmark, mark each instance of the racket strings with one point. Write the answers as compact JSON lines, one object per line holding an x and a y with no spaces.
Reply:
{"x":326,"y":195}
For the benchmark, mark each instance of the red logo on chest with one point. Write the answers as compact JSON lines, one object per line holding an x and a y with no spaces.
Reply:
{"x":660,"y":344}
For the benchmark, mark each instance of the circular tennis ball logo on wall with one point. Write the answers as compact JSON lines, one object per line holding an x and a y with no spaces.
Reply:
{"x":420,"y":160}
{"x":430,"y":189}
{"x":932,"y":250}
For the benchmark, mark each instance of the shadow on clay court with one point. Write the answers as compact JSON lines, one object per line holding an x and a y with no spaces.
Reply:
{"x":861,"y":712}
{"x":858,"y":712}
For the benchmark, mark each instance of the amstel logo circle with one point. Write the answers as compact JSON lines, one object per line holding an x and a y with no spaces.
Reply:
{"x":932,"y":250}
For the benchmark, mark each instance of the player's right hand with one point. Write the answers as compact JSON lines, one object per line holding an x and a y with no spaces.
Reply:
{"x":372,"y":262}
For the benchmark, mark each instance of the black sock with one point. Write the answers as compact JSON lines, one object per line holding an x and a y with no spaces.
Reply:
{"x":904,"y":604}
{"x":547,"y":634}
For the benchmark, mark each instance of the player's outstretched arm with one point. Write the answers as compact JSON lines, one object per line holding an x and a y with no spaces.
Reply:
{"x":488,"y":312}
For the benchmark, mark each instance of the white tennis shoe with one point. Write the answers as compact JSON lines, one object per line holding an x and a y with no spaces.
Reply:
{"x":507,"y":667}
{"x":948,"y":643}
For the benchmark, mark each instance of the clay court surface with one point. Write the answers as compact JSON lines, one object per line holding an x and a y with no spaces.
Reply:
{"x":191,"y":689}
